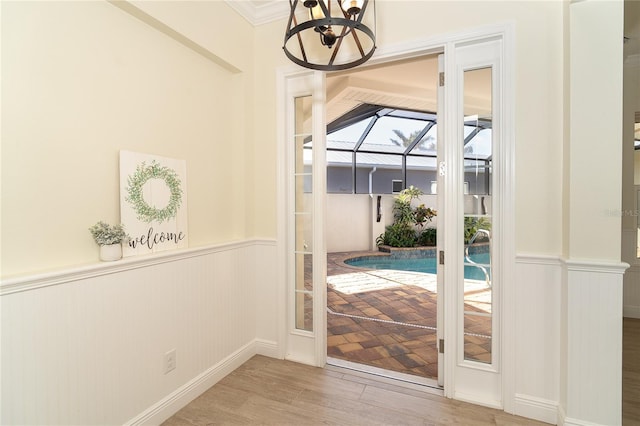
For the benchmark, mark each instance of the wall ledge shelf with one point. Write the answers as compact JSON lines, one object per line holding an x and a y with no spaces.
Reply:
{"x":17,"y":284}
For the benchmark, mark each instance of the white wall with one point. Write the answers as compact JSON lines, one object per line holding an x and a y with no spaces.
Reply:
{"x":537,"y":337}
{"x":349,"y":219}
{"x":86,"y":346}
{"x":539,"y":96}
{"x":595,"y":138}
{"x":631,"y":182}
{"x":538,"y":134}
{"x":591,"y":307}
{"x":352,"y":224}
{"x":84,"y":342}
{"x":82,"y":80}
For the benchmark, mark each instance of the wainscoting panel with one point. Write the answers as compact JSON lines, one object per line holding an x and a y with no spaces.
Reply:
{"x":88,"y":346}
{"x":269,"y":297}
{"x":538,"y":284}
{"x":593,"y":346}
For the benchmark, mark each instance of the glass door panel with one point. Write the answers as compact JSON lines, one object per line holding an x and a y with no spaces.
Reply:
{"x":477,"y":152}
{"x":303,"y":214}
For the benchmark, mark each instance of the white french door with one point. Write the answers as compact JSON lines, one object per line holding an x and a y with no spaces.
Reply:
{"x":474,"y":228}
{"x":475,"y":220}
{"x":440,"y":225}
{"x":305,"y":250}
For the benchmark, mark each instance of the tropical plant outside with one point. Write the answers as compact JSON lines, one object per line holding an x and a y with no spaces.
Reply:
{"x":471,"y":227}
{"x":410,"y":229}
{"x":407,"y":228}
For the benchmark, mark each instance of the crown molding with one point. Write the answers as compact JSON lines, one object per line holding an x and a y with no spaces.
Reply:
{"x":265,"y":12}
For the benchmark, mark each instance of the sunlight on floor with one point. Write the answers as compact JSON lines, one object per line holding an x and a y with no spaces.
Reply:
{"x":476,"y":292}
{"x":361,"y":282}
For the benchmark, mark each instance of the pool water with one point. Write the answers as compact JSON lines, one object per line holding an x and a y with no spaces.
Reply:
{"x":426,"y":265}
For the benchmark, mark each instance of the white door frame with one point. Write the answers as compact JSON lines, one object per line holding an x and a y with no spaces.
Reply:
{"x":411,"y":49}
{"x":304,"y":346}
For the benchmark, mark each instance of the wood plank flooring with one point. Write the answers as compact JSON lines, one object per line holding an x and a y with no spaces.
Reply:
{"x":267,"y":391}
{"x":274,"y":392}
{"x":631,"y":372}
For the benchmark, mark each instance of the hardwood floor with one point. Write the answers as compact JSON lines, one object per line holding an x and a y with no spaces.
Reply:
{"x":267,"y":391}
{"x":274,"y":392}
{"x":631,"y":372}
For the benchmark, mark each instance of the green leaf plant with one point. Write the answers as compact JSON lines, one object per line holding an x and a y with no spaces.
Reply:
{"x":407,"y":228}
{"x":105,"y":234}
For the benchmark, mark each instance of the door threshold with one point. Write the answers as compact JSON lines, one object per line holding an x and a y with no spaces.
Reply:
{"x":404,"y":380}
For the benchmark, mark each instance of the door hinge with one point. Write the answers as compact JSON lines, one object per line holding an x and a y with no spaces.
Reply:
{"x":441,"y":346}
{"x":441,"y":79}
{"x":442,"y":257}
{"x":442,"y":168}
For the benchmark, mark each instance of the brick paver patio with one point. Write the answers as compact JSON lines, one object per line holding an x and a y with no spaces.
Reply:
{"x":387,"y":318}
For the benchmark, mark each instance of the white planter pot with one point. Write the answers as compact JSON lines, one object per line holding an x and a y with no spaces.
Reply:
{"x":111,"y":252}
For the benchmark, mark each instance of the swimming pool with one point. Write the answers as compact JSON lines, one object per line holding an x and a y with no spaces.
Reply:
{"x":427,"y":265}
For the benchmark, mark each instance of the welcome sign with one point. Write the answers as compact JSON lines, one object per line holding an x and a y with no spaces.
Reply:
{"x":153,"y":202}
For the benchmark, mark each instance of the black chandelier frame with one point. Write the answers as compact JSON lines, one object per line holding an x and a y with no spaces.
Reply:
{"x":349,"y":27}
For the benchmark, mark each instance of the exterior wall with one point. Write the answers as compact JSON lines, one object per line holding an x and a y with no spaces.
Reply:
{"x":339,"y":180}
{"x":352,"y":219}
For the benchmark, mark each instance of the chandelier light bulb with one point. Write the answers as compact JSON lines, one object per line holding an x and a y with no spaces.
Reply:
{"x":351,"y":7}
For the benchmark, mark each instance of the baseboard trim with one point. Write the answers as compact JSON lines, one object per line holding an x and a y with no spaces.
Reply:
{"x":267,"y":348}
{"x":172,"y":403}
{"x":539,"y":409}
{"x":575,"y":422}
{"x":478,"y":400}
{"x":563,"y":420}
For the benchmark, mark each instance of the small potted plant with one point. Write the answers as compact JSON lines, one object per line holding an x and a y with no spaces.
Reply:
{"x":110,"y":239}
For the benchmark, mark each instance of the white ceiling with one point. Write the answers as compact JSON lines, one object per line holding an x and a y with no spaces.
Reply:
{"x":416,"y":89}
{"x":377,"y":84}
{"x":366,"y":84}
{"x":259,"y":12}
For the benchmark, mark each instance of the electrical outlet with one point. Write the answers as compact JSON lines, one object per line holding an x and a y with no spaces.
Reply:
{"x":170,"y":361}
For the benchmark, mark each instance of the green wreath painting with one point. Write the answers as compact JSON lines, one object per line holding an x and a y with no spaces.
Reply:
{"x":136,"y":181}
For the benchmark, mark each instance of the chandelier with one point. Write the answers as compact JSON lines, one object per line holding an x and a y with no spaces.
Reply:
{"x":330,"y":35}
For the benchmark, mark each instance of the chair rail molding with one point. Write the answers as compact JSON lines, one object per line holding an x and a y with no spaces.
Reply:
{"x":27,"y":282}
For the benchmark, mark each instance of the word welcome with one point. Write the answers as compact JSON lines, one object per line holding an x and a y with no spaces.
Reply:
{"x":152,"y":238}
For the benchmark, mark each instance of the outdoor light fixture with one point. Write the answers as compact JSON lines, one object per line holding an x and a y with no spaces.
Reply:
{"x":330,"y":35}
